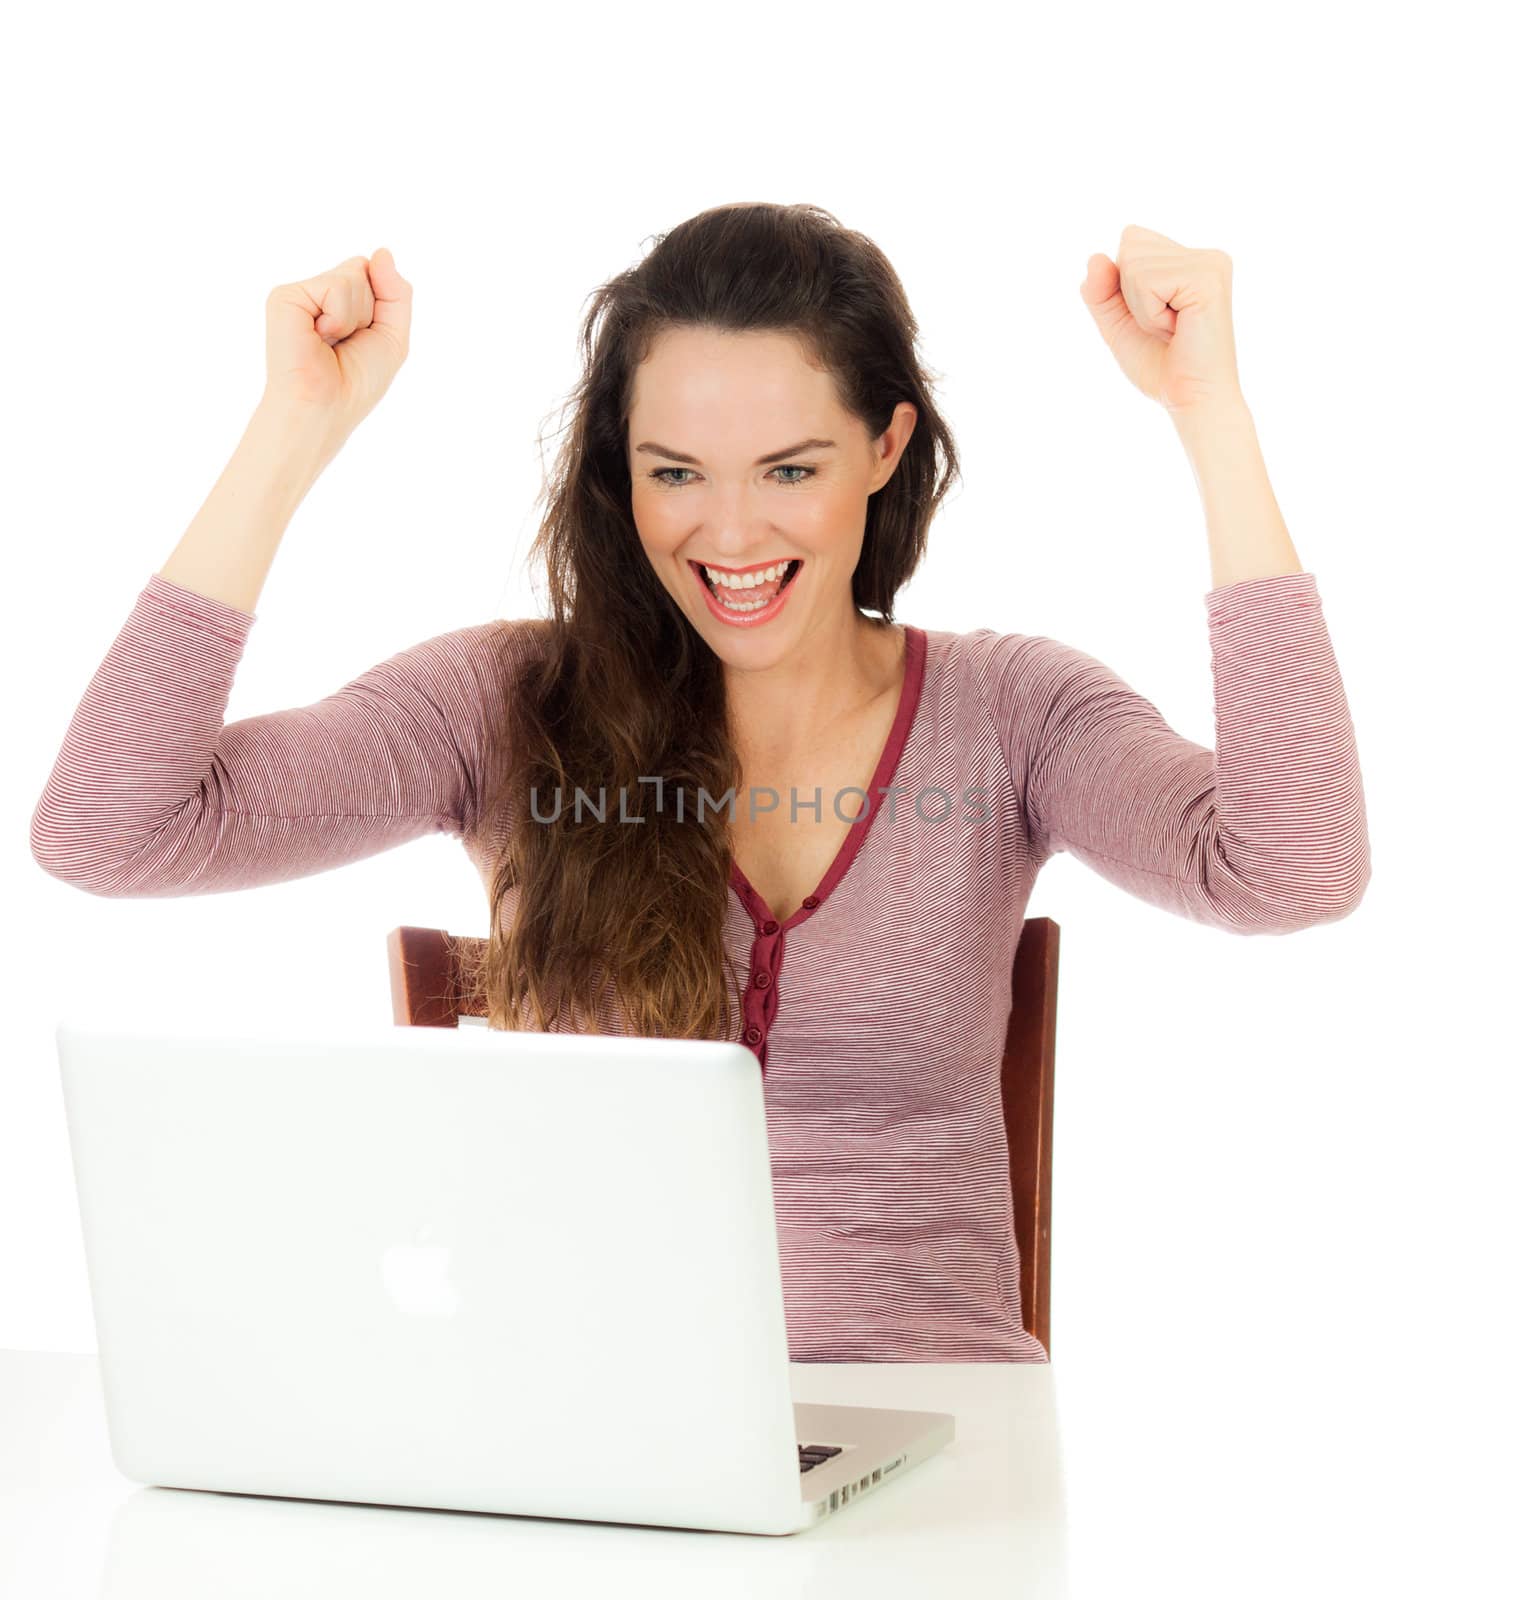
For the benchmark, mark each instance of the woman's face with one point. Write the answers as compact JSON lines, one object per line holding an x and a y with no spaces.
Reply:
{"x":742,"y":459}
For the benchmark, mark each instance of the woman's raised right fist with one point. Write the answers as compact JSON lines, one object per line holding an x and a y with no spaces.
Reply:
{"x":335,"y":341}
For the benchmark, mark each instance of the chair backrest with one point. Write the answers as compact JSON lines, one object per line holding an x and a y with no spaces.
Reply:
{"x":432,"y":978}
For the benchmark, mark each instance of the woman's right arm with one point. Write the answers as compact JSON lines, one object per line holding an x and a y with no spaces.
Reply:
{"x":152,"y":792}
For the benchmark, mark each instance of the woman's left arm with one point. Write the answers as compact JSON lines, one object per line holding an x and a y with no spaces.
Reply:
{"x":1267,"y":832}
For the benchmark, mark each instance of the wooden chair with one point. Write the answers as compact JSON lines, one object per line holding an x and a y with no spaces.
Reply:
{"x":429,"y":980}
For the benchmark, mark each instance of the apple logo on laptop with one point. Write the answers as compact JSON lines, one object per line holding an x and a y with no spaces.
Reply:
{"x":416,"y":1276}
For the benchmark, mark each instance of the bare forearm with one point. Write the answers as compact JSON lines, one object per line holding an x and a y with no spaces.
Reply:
{"x":227,"y":550}
{"x":1247,"y":535}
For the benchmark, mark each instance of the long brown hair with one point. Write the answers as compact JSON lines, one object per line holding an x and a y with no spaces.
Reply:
{"x":619,"y":687}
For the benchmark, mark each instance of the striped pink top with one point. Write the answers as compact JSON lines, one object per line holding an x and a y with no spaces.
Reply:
{"x":879,"y":1008}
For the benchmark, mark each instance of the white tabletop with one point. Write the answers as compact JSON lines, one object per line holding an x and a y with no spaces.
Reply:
{"x":986,"y":1510}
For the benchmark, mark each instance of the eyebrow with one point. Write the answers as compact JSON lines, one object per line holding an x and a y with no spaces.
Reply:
{"x":761,"y":461}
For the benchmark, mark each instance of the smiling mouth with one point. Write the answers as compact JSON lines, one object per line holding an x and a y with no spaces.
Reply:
{"x":718,"y":589}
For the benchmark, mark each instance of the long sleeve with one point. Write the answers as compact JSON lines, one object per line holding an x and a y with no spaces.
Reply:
{"x":1266,"y":833}
{"x":153,"y":793}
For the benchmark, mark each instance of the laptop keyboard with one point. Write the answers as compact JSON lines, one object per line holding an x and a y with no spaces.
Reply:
{"x":811,"y":1455}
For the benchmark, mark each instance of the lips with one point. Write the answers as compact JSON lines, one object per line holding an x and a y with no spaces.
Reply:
{"x":754,"y":613}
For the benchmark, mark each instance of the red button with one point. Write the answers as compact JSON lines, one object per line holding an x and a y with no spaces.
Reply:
{"x":753,"y":1035}
{"x":809,"y":902}
{"x":770,"y":926}
{"x":763,"y":979}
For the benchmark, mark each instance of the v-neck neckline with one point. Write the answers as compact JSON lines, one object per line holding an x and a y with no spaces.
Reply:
{"x":883,"y":774}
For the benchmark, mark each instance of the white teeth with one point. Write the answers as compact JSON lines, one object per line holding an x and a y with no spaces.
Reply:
{"x":746,"y":580}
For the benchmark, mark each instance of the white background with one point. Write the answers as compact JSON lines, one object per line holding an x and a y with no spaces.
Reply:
{"x":1281,"y":1276}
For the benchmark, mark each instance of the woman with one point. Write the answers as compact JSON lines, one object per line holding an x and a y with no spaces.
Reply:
{"x":718,"y":790}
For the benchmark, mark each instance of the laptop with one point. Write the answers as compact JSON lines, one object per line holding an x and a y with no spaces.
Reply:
{"x":527,"y":1273}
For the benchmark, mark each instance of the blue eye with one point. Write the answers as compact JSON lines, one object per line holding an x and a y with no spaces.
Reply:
{"x":658,"y":477}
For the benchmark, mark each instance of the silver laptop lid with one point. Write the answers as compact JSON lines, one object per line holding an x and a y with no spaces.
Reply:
{"x":522,"y":1272}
